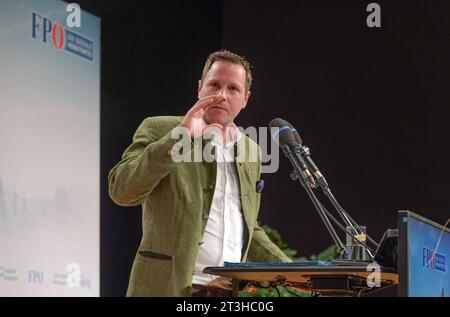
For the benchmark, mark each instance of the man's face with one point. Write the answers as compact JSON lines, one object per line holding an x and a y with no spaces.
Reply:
{"x":228,"y":80}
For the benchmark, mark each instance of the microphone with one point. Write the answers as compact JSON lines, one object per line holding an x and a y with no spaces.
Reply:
{"x":287,"y":142}
{"x":299,"y":156}
{"x":304,"y":152}
{"x":292,"y":149}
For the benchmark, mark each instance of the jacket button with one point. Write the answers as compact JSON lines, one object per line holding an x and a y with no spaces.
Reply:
{"x":205,"y":216}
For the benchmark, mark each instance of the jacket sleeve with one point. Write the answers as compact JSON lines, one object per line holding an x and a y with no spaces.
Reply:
{"x":144,"y":163}
{"x":262,"y":249}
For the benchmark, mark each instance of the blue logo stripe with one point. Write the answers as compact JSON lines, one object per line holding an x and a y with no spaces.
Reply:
{"x":279,"y":130}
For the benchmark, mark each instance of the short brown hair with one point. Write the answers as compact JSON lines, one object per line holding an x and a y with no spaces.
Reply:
{"x":227,"y":56}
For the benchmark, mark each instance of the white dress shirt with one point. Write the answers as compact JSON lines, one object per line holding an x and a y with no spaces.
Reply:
{"x":223,"y":237}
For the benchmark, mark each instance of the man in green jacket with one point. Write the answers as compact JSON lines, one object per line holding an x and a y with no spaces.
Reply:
{"x":195,"y":213}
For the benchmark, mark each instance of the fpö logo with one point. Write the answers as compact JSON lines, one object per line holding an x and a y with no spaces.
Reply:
{"x":433,"y":260}
{"x":45,"y":30}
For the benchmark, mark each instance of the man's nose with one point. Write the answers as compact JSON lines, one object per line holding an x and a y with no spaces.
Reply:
{"x":223,"y":95}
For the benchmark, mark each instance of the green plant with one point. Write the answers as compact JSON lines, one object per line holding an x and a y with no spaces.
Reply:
{"x":275,"y":237}
{"x":330,"y":253}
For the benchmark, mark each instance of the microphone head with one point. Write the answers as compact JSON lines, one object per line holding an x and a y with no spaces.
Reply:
{"x":283,"y":131}
{"x":277,"y":122}
{"x":295,"y":133}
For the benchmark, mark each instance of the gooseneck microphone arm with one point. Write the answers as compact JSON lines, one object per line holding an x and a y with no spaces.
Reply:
{"x":349,"y":222}
{"x":304,"y":169}
{"x":294,"y":159}
{"x":304,"y":152}
{"x":355,"y":224}
{"x":348,"y":232}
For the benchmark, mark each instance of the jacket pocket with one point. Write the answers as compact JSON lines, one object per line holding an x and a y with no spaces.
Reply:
{"x":155,"y":255}
{"x":150,"y":275}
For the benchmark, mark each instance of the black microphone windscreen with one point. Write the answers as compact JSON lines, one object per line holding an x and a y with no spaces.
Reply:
{"x":294,"y":131}
{"x":285,"y":135}
{"x":277,"y":123}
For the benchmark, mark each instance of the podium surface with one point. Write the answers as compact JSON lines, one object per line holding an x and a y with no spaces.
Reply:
{"x":340,"y":280}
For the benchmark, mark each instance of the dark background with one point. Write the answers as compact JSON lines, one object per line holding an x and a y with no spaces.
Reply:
{"x":372,"y":104}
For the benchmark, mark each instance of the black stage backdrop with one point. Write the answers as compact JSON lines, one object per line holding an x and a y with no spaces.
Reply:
{"x":371,"y":103}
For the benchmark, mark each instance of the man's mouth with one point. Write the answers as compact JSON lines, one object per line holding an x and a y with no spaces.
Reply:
{"x":218,"y":108}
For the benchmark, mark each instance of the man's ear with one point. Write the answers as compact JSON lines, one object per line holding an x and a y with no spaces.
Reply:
{"x":247,"y":95}
{"x":199,"y":88}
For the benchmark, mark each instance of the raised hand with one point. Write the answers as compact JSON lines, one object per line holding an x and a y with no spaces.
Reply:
{"x":193,"y":120}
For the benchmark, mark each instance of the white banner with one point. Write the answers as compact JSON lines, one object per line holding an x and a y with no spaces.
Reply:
{"x":49,"y":149}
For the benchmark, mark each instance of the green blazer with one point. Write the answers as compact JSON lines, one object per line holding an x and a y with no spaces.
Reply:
{"x":176,"y":200}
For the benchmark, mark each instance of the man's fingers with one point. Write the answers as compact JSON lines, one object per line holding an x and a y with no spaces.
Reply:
{"x":203,"y":103}
{"x":198,"y":110}
{"x":210,"y":96}
{"x":195,"y":110}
